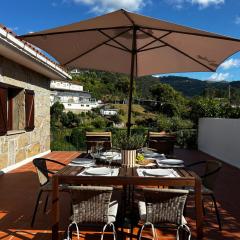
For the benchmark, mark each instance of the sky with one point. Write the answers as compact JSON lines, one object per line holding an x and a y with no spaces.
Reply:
{"x":219,"y":16}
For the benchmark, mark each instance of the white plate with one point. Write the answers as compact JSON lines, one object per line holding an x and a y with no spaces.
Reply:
{"x":157,"y":172}
{"x":98,"y":171}
{"x":105,"y":154}
{"x":171,"y":161}
{"x":116,"y":156}
{"x":152,"y":155}
{"x":82,"y":161}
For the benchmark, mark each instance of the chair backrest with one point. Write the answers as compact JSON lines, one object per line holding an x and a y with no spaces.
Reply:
{"x":211,"y":173}
{"x":161,"y":136}
{"x":162,"y":146}
{"x":93,"y":138}
{"x":90,"y":203}
{"x":42,"y":171}
{"x":165,"y":205}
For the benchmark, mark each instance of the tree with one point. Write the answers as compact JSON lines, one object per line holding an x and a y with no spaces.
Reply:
{"x":56,"y":112}
{"x":205,"y":107}
{"x":169,"y":101}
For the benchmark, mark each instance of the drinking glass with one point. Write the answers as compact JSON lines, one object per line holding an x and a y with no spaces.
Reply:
{"x":109,"y":158}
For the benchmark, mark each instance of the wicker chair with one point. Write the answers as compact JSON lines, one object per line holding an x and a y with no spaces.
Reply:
{"x":163,"y":207}
{"x":92,"y":205}
{"x":44,"y":181}
{"x":209,"y":178}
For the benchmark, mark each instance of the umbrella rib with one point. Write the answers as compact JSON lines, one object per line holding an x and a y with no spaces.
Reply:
{"x":72,"y":31}
{"x":178,"y":50}
{"x":155,"y":40}
{"x":110,"y":45}
{"x":114,"y":40}
{"x":147,"y":49}
{"x":194,"y":34}
{"x":125,"y":13}
{"x":91,"y":49}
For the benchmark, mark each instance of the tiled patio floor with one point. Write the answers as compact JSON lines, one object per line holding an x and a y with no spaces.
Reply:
{"x":18,"y":191}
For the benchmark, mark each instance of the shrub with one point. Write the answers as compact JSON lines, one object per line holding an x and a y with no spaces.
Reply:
{"x":164,"y":123}
{"x":187,"y":138}
{"x":99,"y":122}
{"x":115,"y":118}
{"x":78,"y":138}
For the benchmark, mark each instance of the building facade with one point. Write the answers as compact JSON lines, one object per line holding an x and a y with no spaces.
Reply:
{"x":72,"y":96}
{"x":25,"y":76}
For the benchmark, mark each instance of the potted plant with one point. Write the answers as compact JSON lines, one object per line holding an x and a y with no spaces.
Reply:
{"x":128,"y":146}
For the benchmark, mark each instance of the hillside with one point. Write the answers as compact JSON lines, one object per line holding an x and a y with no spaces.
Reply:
{"x":187,"y":86}
{"x":113,"y":86}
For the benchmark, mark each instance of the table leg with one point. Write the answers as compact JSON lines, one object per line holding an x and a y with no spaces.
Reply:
{"x":55,"y":208}
{"x":199,"y":210}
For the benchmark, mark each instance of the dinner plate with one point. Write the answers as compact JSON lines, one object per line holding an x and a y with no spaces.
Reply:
{"x":171,"y":161}
{"x":98,"y":171}
{"x":116,"y":156}
{"x":82,"y":160}
{"x":106,"y":154}
{"x":152,"y":155}
{"x":156,"y":172}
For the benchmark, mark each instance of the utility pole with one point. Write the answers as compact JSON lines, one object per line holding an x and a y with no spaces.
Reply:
{"x":229,"y":93}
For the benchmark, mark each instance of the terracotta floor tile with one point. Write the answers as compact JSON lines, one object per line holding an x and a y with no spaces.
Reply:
{"x":19,"y":189}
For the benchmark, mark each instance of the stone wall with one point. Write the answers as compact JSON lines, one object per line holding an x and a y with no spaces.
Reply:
{"x":19,"y":145}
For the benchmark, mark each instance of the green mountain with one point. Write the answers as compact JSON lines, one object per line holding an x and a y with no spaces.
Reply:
{"x":114,"y":86}
{"x":187,"y":86}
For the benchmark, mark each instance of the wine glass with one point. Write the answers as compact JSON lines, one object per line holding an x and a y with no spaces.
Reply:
{"x":92,"y":152}
{"x":109,"y":158}
{"x":99,"y":147}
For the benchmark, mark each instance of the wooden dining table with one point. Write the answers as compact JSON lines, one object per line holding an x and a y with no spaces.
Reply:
{"x":126,"y":177}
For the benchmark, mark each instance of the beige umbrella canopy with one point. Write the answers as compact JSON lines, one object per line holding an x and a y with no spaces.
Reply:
{"x":133,"y":44}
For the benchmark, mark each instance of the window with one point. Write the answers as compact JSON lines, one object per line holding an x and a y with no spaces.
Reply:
{"x":29,"y":110}
{"x":16,"y":109}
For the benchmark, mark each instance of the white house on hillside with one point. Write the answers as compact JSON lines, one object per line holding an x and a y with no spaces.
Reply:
{"x":72,"y":96}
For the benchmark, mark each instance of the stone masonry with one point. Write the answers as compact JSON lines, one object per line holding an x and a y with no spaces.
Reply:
{"x":16,"y":146}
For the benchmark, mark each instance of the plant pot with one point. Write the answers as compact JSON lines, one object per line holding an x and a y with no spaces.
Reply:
{"x":129,"y":158}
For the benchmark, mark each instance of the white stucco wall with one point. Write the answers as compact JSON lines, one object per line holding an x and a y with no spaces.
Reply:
{"x":220,"y":138}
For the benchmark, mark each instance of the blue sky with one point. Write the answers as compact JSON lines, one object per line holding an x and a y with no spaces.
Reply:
{"x":220,"y":16}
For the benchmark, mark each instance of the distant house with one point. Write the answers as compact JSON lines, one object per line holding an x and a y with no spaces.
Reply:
{"x":72,"y":96}
{"x":25,"y":75}
{"x":108,"y":112}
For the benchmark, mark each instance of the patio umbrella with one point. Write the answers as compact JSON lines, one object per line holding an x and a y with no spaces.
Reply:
{"x":133,"y":44}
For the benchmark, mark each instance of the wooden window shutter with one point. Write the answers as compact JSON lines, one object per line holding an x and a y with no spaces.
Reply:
{"x":29,"y":110}
{"x":3,"y":110}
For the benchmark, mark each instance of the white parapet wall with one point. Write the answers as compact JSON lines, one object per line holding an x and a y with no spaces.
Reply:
{"x":220,"y":138}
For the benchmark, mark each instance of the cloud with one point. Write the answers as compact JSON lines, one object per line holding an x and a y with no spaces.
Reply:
{"x":207,"y":3}
{"x":230,"y":63}
{"x":237,"y":20}
{"x":179,"y":4}
{"x":216,"y":77}
{"x":102,"y":6}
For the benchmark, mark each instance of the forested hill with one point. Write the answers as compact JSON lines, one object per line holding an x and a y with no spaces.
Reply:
{"x":188,"y":86}
{"x":110,"y":86}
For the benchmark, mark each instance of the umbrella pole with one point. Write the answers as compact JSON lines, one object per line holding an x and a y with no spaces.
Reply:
{"x":129,"y":124}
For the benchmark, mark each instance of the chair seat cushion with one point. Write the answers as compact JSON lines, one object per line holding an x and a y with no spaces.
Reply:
{"x":143,"y":212}
{"x":112,"y":211}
